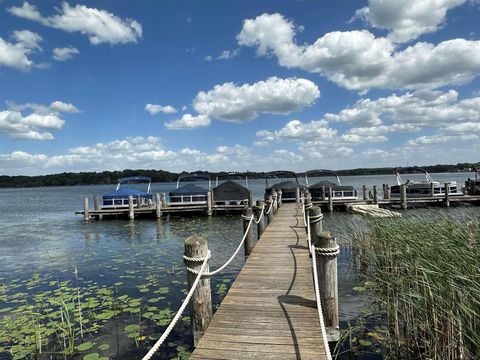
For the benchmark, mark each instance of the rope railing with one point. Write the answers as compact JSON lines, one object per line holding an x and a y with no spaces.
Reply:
{"x":270,"y":208}
{"x":200,"y":274}
{"x":261,"y":215}
{"x":312,"y":250}
{"x":180,"y":311}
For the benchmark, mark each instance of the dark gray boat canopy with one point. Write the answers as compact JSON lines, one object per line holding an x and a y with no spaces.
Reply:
{"x":230,"y":190}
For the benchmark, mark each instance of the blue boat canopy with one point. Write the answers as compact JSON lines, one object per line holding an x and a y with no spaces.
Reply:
{"x":125,"y":193}
{"x":189,"y":189}
{"x":134,"y":179}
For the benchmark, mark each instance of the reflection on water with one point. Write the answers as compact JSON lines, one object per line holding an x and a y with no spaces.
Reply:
{"x":44,"y":248}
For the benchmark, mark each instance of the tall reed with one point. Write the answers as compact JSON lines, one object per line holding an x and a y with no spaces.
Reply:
{"x":425,"y":277}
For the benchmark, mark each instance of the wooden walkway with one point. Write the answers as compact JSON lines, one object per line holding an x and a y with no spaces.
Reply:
{"x":270,"y":310}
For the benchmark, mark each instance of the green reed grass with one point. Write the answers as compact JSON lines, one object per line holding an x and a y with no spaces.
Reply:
{"x":425,"y":277}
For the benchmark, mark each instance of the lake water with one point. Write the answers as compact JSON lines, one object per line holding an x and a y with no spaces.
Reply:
{"x":127,"y":276}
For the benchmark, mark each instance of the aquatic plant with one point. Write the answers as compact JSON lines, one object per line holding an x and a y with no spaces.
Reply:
{"x":424,"y":276}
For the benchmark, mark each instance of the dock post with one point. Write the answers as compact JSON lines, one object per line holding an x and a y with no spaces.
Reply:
{"x":248,"y":245}
{"x":432,"y":189}
{"x":164,"y":199}
{"x":297,"y":195}
{"x":158,"y":205}
{"x":307,"y":204}
{"x":279,"y":198}
{"x":261,"y":224}
{"x":209,"y":203}
{"x":375,"y":194}
{"x":323,"y":193}
{"x":96,"y":204}
{"x":86,"y":214}
{"x":364,"y":188}
{"x":250,"y":198}
{"x":196,"y":247}
{"x":270,"y":214}
{"x":316,"y":221}
{"x":387,"y":192}
{"x":326,"y":253}
{"x":274,"y":199}
{"x":403,"y":196}
{"x":131,"y":214}
{"x":139,"y":202}
{"x":447,"y":190}
{"x":330,"y":199}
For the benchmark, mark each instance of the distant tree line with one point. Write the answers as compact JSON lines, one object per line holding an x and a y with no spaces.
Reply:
{"x":111,"y":177}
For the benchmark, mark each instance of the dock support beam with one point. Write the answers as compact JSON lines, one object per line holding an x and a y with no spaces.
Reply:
{"x":270,"y":214}
{"x":297,"y":195}
{"x":330,"y":199}
{"x":364,"y":188}
{"x":139,"y":202}
{"x":447,"y":190}
{"x":96,"y":204}
{"x":316,"y":221}
{"x":387,"y":192}
{"x":326,"y":252}
{"x":209,"y":203}
{"x":279,"y":198}
{"x":248,"y":244}
{"x":131,"y":214}
{"x":403,"y":196}
{"x":258,"y":212}
{"x":86,"y":214}
{"x":432,"y":189}
{"x":201,"y":302}
{"x":375,"y":194}
{"x":323,"y":193}
{"x":274,"y":199}
{"x":158,"y":206}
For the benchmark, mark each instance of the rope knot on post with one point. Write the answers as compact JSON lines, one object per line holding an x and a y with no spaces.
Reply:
{"x":334,"y":251}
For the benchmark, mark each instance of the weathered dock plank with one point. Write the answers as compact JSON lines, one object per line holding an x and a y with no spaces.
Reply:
{"x":270,"y":310}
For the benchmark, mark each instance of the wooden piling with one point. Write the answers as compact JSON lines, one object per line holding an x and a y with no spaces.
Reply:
{"x":447,"y":190}
{"x":258,"y":213}
{"x":387,"y":191}
{"x":209,"y":203}
{"x":248,"y":244}
{"x":364,"y":188}
{"x":86,"y":214}
{"x":164,"y":199}
{"x":131,"y":214}
{"x":158,"y":206}
{"x":326,"y":256}
{"x":201,"y":301}
{"x":139,"y":202}
{"x":330,"y":199}
{"x":279,"y":198}
{"x":323,"y":193}
{"x":274,"y":199}
{"x":96,"y":204}
{"x":307,"y":204}
{"x":375,"y":194}
{"x":403,"y":196}
{"x":270,"y":214}
{"x":297,"y":195}
{"x":316,"y":221}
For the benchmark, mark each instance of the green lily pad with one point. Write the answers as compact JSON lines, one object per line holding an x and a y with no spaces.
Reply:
{"x":92,"y":356}
{"x":104,"y":347}
{"x":85,"y":346}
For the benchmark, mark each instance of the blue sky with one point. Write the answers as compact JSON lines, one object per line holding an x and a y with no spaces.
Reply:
{"x":246,"y":85}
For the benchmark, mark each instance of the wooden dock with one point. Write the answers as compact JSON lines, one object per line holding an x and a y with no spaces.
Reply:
{"x":270,"y":310}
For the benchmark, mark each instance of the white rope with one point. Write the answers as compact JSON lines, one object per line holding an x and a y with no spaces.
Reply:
{"x":269,"y":209}
{"x":211,"y":273}
{"x":261,"y":215}
{"x":160,"y":341}
{"x":312,"y":250}
{"x":319,"y":306}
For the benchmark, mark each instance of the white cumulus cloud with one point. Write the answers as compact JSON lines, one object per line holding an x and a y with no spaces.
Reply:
{"x":357,"y":60}
{"x":154,"y":109}
{"x":17,"y":54}
{"x":66,"y":53}
{"x":188,"y":121}
{"x":407,"y":19}
{"x":100,"y":25}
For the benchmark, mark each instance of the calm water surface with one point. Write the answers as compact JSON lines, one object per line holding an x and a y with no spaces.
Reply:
{"x":115,"y":268}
